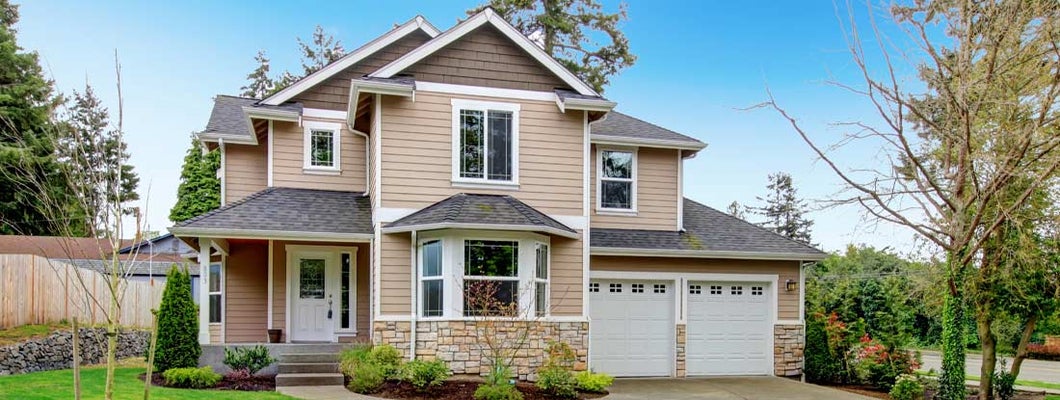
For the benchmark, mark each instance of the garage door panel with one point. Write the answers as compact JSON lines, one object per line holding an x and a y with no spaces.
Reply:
{"x":729,"y":328}
{"x":632,"y":331}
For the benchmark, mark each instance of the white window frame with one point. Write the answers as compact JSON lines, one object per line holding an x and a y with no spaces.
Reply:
{"x":600,"y":209}
{"x":219,"y":292}
{"x":336,"y":142}
{"x":539,"y":280}
{"x":422,"y":279}
{"x":485,"y":107}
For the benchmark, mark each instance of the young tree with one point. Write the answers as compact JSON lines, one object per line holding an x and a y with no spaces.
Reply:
{"x":569,"y":31}
{"x":259,"y":84}
{"x":178,"y":324}
{"x":981,"y":116}
{"x":737,"y":210}
{"x":200,"y":189}
{"x":320,"y":51}
{"x":783,"y":210}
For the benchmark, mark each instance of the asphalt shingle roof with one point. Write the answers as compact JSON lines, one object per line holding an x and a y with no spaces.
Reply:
{"x":480,"y":209}
{"x":706,"y":229}
{"x":135,"y":268}
{"x":289,"y":209}
{"x":621,"y":125}
{"x":227,"y":116}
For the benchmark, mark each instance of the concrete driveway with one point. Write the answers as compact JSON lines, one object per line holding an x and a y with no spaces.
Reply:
{"x":746,"y":388}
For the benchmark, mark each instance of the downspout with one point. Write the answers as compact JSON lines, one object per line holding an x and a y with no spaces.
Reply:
{"x":415,"y":289}
{"x":802,"y":313}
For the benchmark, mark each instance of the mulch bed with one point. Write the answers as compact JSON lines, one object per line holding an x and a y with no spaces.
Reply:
{"x":929,"y":394}
{"x":460,"y":390}
{"x":258,"y":383}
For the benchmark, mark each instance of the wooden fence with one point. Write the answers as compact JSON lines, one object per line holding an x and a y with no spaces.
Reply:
{"x":36,"y":290}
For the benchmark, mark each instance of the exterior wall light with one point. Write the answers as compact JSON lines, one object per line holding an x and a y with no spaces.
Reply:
{"x":791,"y":285}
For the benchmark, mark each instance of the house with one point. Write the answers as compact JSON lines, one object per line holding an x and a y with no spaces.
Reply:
{"x":367,"y":200}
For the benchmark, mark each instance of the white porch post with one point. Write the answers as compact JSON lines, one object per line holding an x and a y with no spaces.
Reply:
{"x":204,"y":290}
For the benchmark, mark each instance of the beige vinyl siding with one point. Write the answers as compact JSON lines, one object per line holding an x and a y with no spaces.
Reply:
{"x":485,"y":57}
{"x":333,"y":93}
{"x":246,"y":293}
{"x":417,"y":160}
{"x":215,"y":333}
{"x":289,"y":158}
{"x":788,"y":302}
{"x":279,"y":277}
{"x":566,"y":277}
{"x":656,"y":192}
{"x":246,"y":170}
{"x":395,"y":277}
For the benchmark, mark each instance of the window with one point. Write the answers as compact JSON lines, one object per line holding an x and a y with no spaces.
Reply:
{"x":215,"y":292}
{"x":344,"y":292}
{"x":736,"y":290}
{"x":756,"y":291}
{"x":321,"y":146}
{"x":431,"y":278}
{"x":541,"y":280}
{"x":615,"y":288}
{"x":485,"y":142}
{"x":715,"y":289}
{"x":660,"y":288}
{"x":636,"y":288}
{"x":594,"y":287}
{"x":695,"y":289}
{"x":617,"y":174}
{"x":491,"y":280}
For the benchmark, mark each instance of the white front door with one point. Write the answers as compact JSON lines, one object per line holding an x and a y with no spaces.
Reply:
{"x":632,"y":330}
{"x":729,"y":328}
{"x":313,"y":301}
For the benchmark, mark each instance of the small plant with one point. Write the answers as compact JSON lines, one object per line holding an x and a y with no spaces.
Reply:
{"x":424,"y":375}
{"x":241,"y":379}
{"x":251,"y":359}
{"x":388,"y":359}
{"x":191,"y":378}
{"x":351,"y":357}
{"x":366,"y":378}
{"x":593,"y":382}
{"x":907,"y":387}
{"x":557,"y":381}
{"x":498,"y":392}
{"x":1004,"y":382}
{"x":560,"y":354}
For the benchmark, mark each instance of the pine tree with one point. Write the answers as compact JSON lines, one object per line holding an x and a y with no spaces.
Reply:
{"x":784,"y":210}
{"x":259,"y":84}
{"x":322,"y":50}
{"x":570,"y":30}
{"x":200,"y":189}
{"x":178,"y":324}
{"x":737,"y":210}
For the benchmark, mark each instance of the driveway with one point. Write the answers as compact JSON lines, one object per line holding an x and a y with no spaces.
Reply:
{"x":1032,"y":370}
{"x":746,"y":388}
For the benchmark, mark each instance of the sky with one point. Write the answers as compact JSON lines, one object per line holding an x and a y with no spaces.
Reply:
{"x":700,"y":66}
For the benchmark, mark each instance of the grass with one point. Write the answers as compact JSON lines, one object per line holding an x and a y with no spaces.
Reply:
{"x":1052,"y":397}
{"x":26,"y":332}
{"x":127,"y":385}
{"x":1019,"y":382}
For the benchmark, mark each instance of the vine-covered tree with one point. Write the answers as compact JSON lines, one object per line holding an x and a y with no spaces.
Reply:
{"x":570,"y":30}
{"x":259,"y":84}
{"x":200,"y":189}
{"x":784,"y":210}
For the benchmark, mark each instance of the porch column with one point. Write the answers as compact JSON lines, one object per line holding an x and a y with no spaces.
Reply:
{"x":204,"y":290}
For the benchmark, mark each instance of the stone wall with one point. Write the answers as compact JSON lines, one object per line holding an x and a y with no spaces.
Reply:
{"x":56,"y":350}
{"x":682,"y":337}
{"x":788,"y":344}
{"x":462,"y":344}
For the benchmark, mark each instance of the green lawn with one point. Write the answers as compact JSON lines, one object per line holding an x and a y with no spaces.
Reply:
{"x":26,"y":332}
{"x":1019,"y":382}
{"x":59,"y":385}
{"x":1052,"y":397}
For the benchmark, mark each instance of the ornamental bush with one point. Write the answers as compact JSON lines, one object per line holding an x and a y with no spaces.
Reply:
{"x":251,"y":359}
{"x":178,"y":324}
{"x":907,"y":387}
{"x":389,"y":360}
{"x":593,"y":382}
{"x":424,"y":375}
{"x":191,"y":378}
{"x":366,"y":378}
{"x":497,"y":392}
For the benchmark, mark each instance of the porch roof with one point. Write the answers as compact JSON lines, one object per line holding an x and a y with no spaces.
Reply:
{"x":287,"y":213}
{"x":481,"y":211}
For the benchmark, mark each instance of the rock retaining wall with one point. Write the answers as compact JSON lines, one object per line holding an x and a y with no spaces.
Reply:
{"x":55,"y":351}
{"x":789,"y":341}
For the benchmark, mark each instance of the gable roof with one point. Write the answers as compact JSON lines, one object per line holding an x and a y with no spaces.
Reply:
{"x":353,"y":57}
{"x":230,"y":118}
{"x":708,"y":233}
{"x":481,"y":211}
{"x":58,"y":246}
{"x":136,"y":267}
{"x":486,"y":16}
{"x":619,"y":128}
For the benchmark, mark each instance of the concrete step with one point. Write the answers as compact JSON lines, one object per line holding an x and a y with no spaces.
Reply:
{"x":314,"y":348}
{"x":309,"y":379}
{"x":320,"y":358}
{"x":307,"y":368}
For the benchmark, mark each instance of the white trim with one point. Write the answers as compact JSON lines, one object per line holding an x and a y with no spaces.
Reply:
{"x":576,"y":222}
{"x":290,"y":251}
{"x":787,"y":322}
{"x":571,"y":103}
{"x":204,"y":291}
{"x":482,"y":18}
{"x":406,"y":318}
{"x":680,"y":192}
{"x":222,"y":172}
{"x":586,"y":218}
{"x":322,"y":113}
{"x":417,"y":23}
{"x":490,"y":227}
{"x":485,"y":107}
{"x":414,"y":291}
{"x":736,"y":255}
{"x":377,"y":136}
{"x":269,"y":323}
{"x":802,"y":290}
{"x":468,"y":90}
{"x":693,"y":276}
{"x":632,"y":210}
{"x":210,"y":136}
{"x":377,"y":207}
{"x":308,"y":127}
{"x":642,"y":142}
{"x":339,"y":330}
{"x":270,"y":153}
{"x":287,"y":294}
{"x":471,"y":183}
{"x":391,"y":214}
{"x":267,"y":234}
{"x":270,"y":114}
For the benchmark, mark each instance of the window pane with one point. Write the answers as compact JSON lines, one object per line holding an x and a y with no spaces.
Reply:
{"x":311,"y":279}
{"x":490,"y":258}
{"x":542,"y":262}
{"x":540,"y":298}
{"x":471,"y":144}
{"x":344,"y":288}
{"x":432,"y":298}
{"x":500,"y":145}
{"x":322,"y":149}
{"x":616,"y":194}
{"x":215,"y":277}
{"x":215,"y":308}
{"x":617,"y":164}
{"x":432,"y":258}
{"x":489,"y":297}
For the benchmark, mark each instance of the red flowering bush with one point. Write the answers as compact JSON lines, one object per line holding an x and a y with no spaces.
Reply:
{"x":877,"y":365}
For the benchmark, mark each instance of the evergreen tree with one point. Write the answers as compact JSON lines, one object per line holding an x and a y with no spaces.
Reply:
{"x":737,"y":210}
{"x":27,"y":139}
{"x":570,"y":30}
{"x":322,"y":50}
{"x":200,"y":189}
{"x":178,"y":324}
{"x":259,"y":84}
{"x":784,"y":210}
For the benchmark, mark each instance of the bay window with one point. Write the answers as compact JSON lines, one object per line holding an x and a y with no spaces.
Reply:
{"x":485,"y":142}
{"x":616,"y":180}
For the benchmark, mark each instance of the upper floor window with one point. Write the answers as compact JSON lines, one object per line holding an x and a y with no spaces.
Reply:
{"x":617,"y":180}
{"x":321,"y":145}
{"x":485,"y":142}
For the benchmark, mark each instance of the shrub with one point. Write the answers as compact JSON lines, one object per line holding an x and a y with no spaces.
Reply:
{"x":178,"y":324}
{"x":879,"y":366}
{"x":351,"y":357}
{"x":907,"y":387}
{"x":366,"y":377}
{"x":497,"y":392}
{"x":251,"y":359}
{"x":593,"y":382}
{"x":241,"y":379}
{"x":499,"y":375}
{"x":561,"y":355}
{"x":424,"y":375}
{"x":557,"y":381}
{"x":823,"y":363}
{"x":1004,"y":383}
{"x":388,"y":359}
{"x":192,"y":378}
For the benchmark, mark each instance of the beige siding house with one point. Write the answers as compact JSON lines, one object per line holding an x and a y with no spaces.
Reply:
{"x":368,"y":201}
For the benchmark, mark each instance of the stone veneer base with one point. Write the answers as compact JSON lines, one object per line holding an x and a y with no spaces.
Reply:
{"x":789,"y":341}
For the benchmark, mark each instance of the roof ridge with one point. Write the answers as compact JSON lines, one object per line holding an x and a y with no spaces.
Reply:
{"x":759,"y":227}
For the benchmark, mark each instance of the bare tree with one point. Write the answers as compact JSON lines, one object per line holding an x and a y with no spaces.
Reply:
{"x":981,"y":121}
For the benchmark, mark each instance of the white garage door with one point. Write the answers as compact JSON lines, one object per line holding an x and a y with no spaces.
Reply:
{"x":729,"y":328}
{"x":632,"y":331}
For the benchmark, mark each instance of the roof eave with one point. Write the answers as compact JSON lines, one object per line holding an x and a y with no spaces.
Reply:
{"x":601,"y":105}
{"x":643,"y":142}
{"x":496,"y":227}
{"x":358,"y":86}
{"x":736,"y":255}
{"x":271,"y":114}
{"x":231,"y":138}
{"x":264,"y":234}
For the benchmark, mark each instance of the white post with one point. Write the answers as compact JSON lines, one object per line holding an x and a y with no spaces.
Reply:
{"x":204,"y":290}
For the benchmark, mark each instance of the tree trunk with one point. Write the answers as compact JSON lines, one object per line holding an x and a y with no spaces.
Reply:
{"x":151,"y":356}
{"x":1021,"y":348}
{"x":112,"y":333}
{"x":77,"y":360}
{"x":951,"y":381}
{"x":989,"y":347}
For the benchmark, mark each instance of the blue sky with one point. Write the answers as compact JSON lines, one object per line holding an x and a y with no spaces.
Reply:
{"x":700,"y":64}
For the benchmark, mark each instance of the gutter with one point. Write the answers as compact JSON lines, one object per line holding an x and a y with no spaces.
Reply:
{"x":269,"y":234}
{"x":520,"y":228}
{"x":737,"y":255}
{"x":643,"y":142}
